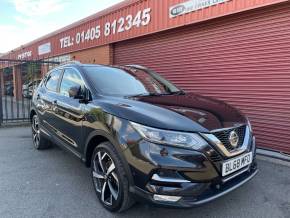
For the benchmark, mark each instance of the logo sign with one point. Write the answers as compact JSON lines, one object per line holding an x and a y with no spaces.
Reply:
{"x":234,"y":139}
{"x":24,"y":55}
{"x":191,"y":6}
{"x":177,"y":10}
{"x":44,"y":48}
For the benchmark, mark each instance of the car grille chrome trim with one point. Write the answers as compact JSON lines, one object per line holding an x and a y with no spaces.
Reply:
{"x":211,"y":137}
{"x":158,"y":178}
{"x":226,"y":129}
{"x":224,"y":136}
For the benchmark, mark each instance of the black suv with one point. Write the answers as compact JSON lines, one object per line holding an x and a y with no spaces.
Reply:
{"x":144,"y":138}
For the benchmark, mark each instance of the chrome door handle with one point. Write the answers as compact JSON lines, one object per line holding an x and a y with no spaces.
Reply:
{"x":54,"y":106}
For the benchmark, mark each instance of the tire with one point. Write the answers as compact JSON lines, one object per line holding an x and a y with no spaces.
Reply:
{"x":39,"y":141}
{"x":110,"y":179}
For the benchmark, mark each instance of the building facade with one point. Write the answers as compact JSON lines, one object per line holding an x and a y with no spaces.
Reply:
{"x":234,"y":50}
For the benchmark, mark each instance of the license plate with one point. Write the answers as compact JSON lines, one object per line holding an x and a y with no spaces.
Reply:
{"x":237,"y":163}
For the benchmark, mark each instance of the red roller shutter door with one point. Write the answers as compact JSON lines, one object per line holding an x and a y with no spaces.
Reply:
{"x":243,"y":59}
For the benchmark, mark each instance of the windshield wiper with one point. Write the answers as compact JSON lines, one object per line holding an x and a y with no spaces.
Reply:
{"x":143,"y":95}
{"x":180,"y":92}
{"x":156,"y":94}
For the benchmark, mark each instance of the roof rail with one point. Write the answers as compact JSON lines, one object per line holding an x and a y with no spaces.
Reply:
{"x":136,"y":66}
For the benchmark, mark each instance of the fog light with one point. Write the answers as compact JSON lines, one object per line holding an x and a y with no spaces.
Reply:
{"x":166,"y":198}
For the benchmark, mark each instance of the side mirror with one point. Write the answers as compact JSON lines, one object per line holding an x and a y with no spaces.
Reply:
{"x":76,"y":93}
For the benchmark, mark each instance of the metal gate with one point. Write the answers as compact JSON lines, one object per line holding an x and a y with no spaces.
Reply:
{"x":18,"y":80}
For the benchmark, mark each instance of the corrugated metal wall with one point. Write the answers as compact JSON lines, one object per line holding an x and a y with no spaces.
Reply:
{"x":243,"y":59}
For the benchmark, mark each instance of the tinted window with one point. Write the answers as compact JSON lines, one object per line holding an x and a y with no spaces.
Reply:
{"x":124,"y":82}
{"x":71,"y":83}
{"x":52,"y":80}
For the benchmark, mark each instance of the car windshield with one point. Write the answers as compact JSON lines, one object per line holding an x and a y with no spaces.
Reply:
{"x":124,"y":82}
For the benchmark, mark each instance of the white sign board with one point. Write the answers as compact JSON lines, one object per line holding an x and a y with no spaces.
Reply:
{"x":44,"y":48}
{"x":191,"y":6}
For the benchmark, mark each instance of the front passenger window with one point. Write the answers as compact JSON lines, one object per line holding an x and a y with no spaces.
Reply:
{"x":71,"y":84}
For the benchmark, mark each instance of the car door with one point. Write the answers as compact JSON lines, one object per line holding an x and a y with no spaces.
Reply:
{"x":46,"y":101}
{"x":69,"y":109}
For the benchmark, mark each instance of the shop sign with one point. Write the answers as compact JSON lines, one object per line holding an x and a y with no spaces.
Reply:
{"x":102,"y":30}
{"x":44,"y":48}
{"x":62,"y":58}
{"x":191,"y":6}
{"x":25,"y":55}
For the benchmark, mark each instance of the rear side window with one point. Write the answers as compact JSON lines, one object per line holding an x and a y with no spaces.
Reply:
{"x":52,"y":80}
{"x":71,"y":84}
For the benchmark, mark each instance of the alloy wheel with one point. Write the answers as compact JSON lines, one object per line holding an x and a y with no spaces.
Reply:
{"x":105,"y":178}
{"x":35,"y":131}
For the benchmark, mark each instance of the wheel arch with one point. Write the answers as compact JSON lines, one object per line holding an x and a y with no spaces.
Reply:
{"x":97,"y":137}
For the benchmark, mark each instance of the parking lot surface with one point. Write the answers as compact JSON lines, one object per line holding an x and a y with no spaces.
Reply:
{"x":53,"y":183}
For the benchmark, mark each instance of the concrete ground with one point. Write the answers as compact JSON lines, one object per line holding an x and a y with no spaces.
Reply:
{"x":53,"y":183}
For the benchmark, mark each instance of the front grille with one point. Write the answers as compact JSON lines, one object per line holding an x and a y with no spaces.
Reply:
{"x":223,"y":136}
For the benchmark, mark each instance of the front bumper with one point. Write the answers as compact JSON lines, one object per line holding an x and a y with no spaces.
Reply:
{"x":212,"y":192}
{"x":186,"y":177}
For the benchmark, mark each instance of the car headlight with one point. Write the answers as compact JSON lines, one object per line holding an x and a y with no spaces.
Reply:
{"x":249,"y":125}
{"x":181,"y":139}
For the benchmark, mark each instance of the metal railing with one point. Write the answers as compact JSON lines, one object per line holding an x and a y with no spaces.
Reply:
{"x":18,"y":80}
